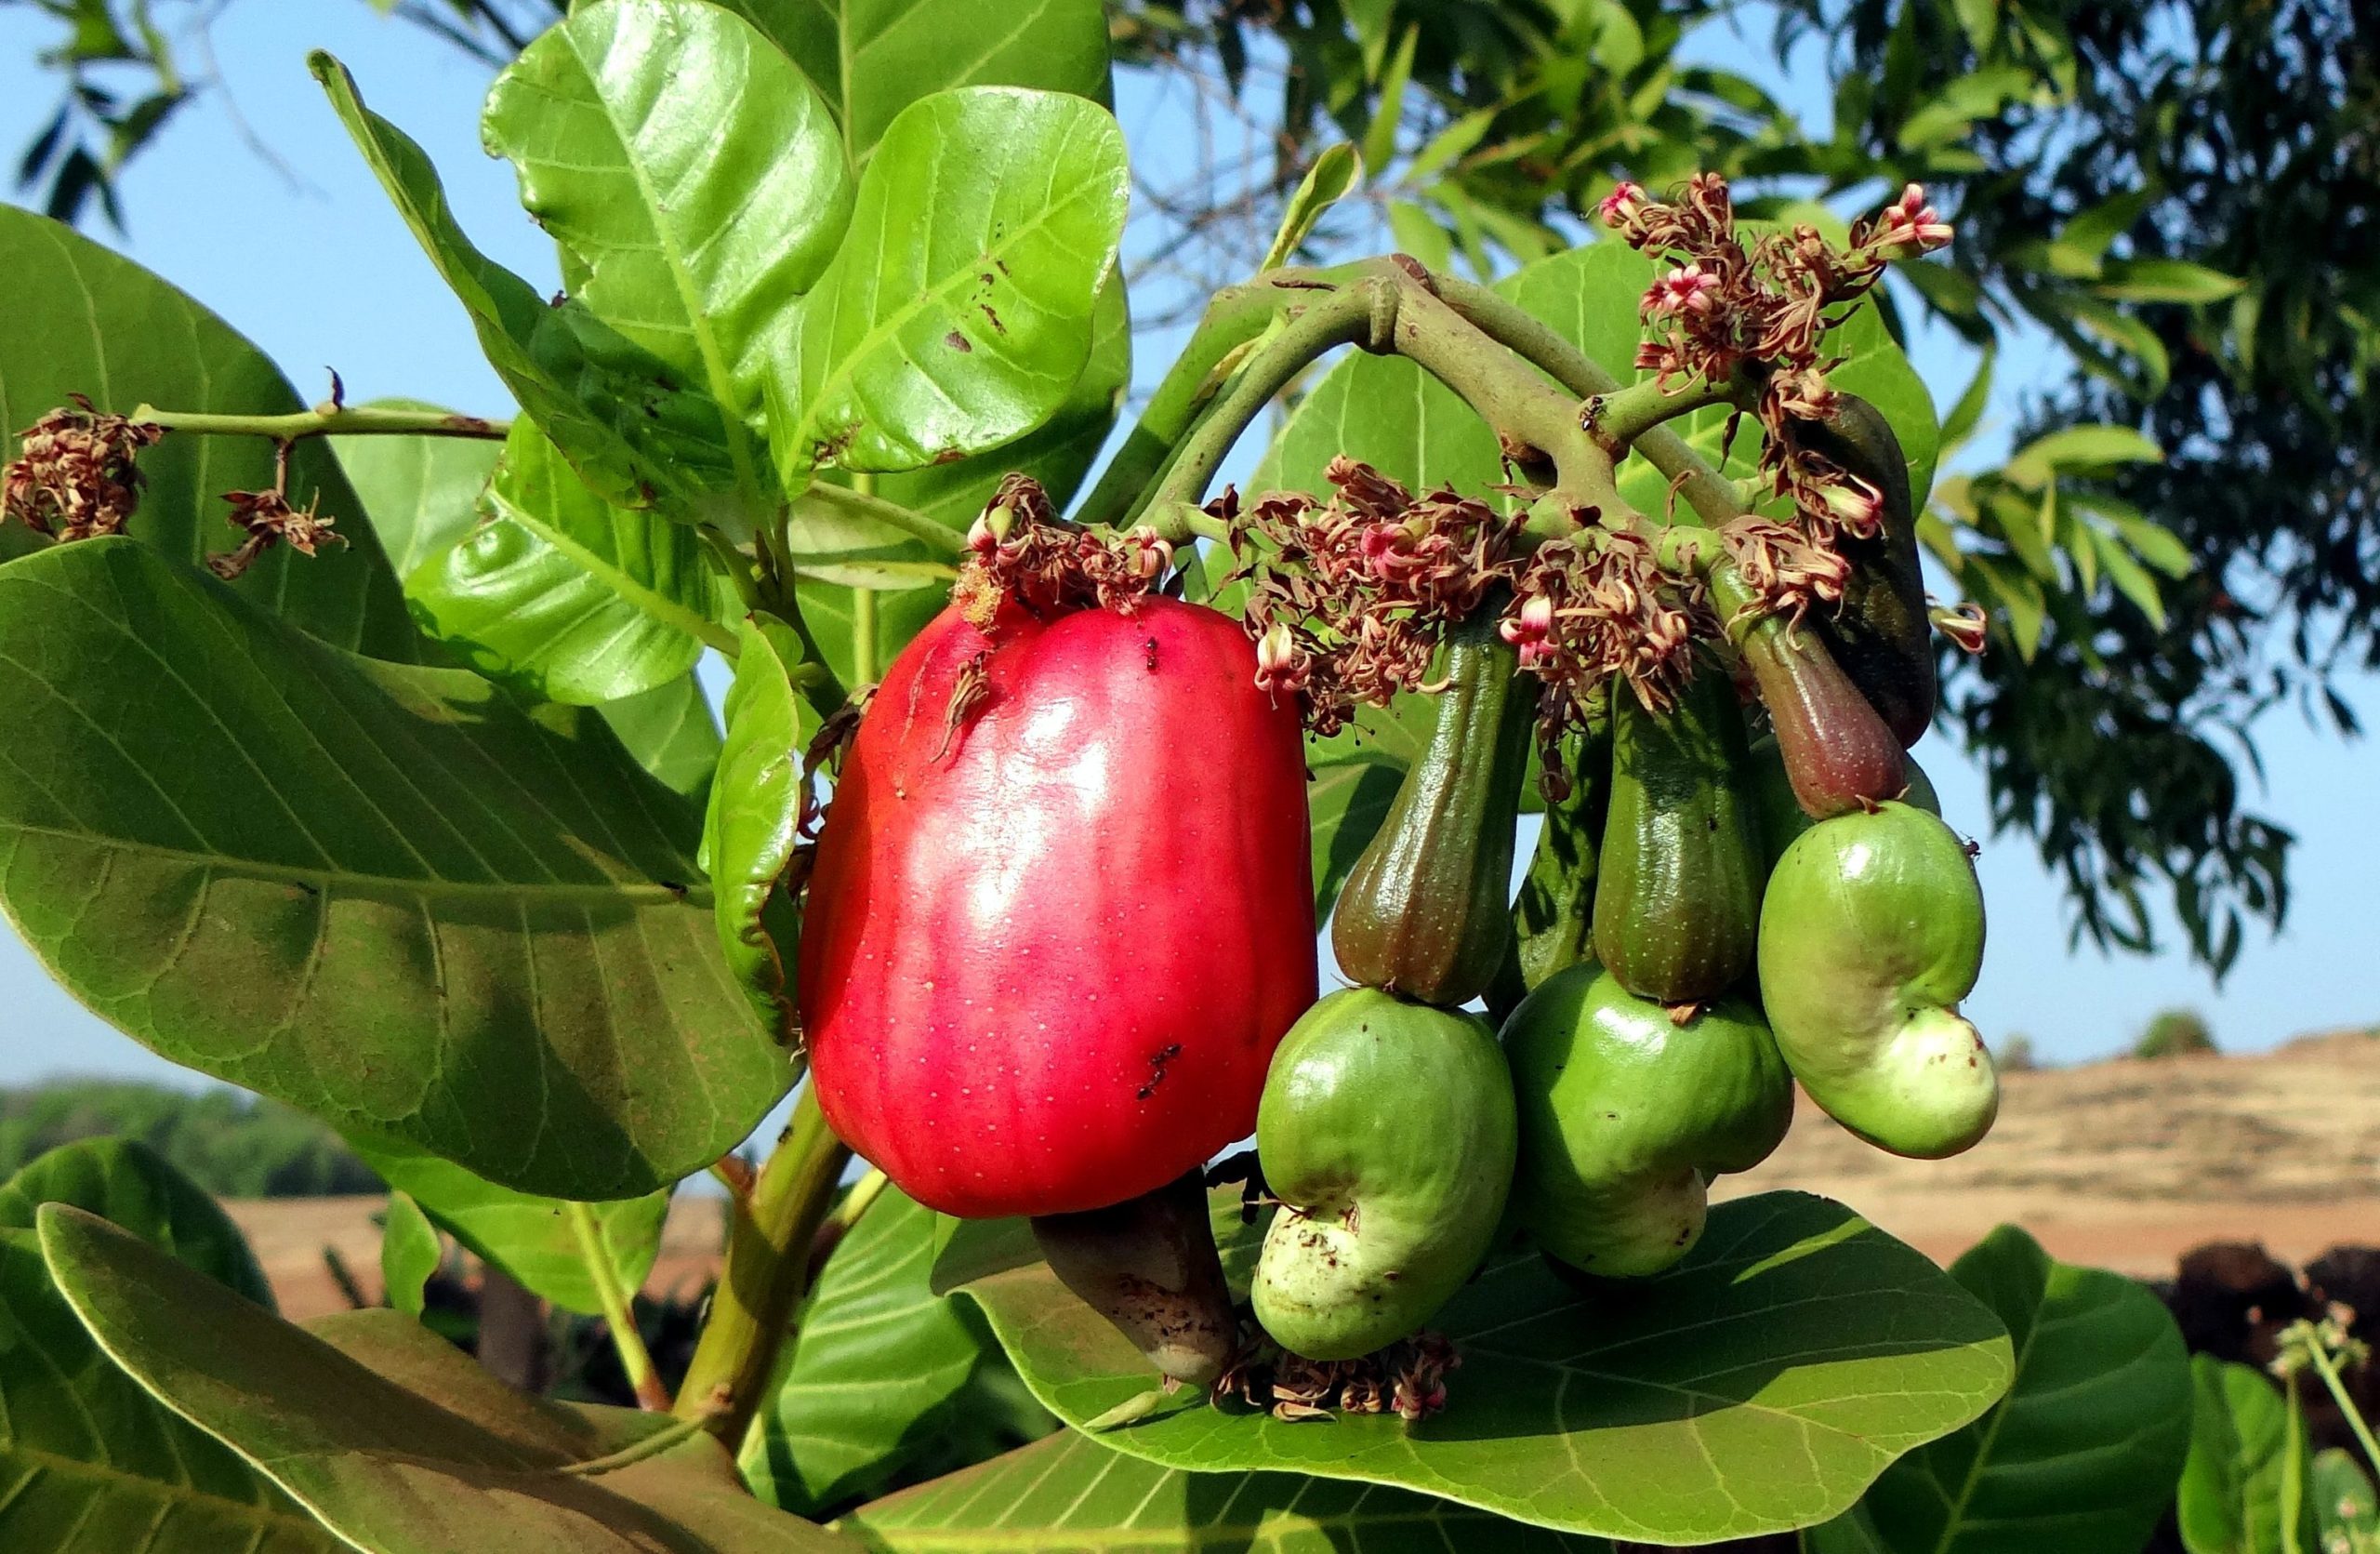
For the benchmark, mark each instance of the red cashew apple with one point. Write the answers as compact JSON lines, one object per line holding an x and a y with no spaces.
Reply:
{"x":1061,"y":911}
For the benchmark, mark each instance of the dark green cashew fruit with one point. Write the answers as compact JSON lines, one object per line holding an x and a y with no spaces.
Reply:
{"x":1149,"y":1266}
{"x":1870,"y":933}
{"x":1781,"y":816}
{"x":1554,"y":914}
{"x":1625,"y":1116}
{"x":1425,"y":911}
{"x":1879,"y":632}
{"x":1386,"y":1132}
{"x":1677,"y":891}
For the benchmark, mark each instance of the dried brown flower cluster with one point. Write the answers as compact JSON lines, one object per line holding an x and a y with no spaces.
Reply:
{"x":1348,"y":599}
{"x":1020,"y":550}
{"x":1409,"y":1377}
{"x":76,"y":476}
{"x":1725,"y":308}
{"x":1597,"y":606}
{"x":268,"y":520}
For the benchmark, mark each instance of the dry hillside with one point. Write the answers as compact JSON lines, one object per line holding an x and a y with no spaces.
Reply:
{"x":2128,"y":1163}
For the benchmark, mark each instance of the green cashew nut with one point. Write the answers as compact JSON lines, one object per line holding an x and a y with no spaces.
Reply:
{"x":1625,"y":1116}
{"x":1386,"y":1131}
{"x":1870,"y":933}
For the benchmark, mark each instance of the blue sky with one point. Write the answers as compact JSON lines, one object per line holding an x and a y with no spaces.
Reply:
{"x":311,"y":264}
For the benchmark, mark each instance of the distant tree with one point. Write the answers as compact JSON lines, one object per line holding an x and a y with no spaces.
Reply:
{"x":2015,"y":1055}
{"x":234,"y":1146}
{"x":2173,"y":1033}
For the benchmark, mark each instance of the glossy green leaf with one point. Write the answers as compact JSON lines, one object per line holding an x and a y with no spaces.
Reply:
{"x":877,"y":1362}
{"x":754,"y":821}
{"x":958,"y":313}
{"x":2083,"y":1453}
{"x":1758,"y":1386}
{"x":422,"y":493}
{"x":671,"y":733}
{"x":529,"y":1238}
{"x":565,"y":595}
{"x":387,"y":896}
{"x":1331,"y":177}
{"x":410,"y":1252}
{"x":627,"y":425}
{"x":694,"y":175}
{"x":1071,"y":1494}
{"x":125,"y":1181}
{"x":2234,"y":1482}
{"x":90,"y":1464}
{"x":389,"y":1435}
{"x":83,"y":319}
{"x":871,"y":58}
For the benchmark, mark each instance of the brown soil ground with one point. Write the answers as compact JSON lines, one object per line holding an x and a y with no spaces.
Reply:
{"x":2123,"y":1164}
{"x":2127,"y":1164}
{"x":290,"y":1235}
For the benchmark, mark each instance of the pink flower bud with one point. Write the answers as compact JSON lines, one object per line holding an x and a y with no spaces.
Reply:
{"x":1621,"y":205}
{"x":1688,"y":288}
{"x":1280,"y":666}
{"x":1155,"y":554}
{"x":1530,"y":629}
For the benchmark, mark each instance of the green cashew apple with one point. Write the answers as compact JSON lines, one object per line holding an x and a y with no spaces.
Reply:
{"x":1625,"y":1116}
{"x":1870,"y":932}
{"x":1386,"y":1132}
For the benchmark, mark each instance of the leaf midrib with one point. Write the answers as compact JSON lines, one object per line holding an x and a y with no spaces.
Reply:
{"x":270,"y":1517}
{"x":358,"y":882}
{"x":845,"y":371}
{"x":648,"y":600}
{"x":722,"y":379}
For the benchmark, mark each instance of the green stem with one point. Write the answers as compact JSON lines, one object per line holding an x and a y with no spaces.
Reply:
{"x":1236,"y":316}
{"x":328,"y":421}
{"x":767,"y":1272}
{"x":652,"y":1445}
{"x":619,"y":1309}
{"x":1336,"y":317}
{"x":2355,"y":1423}
{"x":1501,"y":320}
{"x":874,"y":509}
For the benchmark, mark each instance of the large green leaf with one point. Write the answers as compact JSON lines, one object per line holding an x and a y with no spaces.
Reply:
{"x":1070,"y":1494}
{"x":2236,"y":1480}
{"x":2083,"y":1455}
{"x":672,"y":732}
{"x":693,"y":174}
{"x":957,"y":316}
{"x":622,"y":418}
{"x":90,"y":1464}
{"x":389,"y":1435}
{"x":422,"y":493}
{"x":564,"y":595}
{"x":125,"y":1181}
{"x":530,"y":1238}
{"x":82,"y":320}
{"x":873,"y":58}
{"x":875,"y":1365}
{"x":753,"y":820}
{"x":1758,"y":1386}
{"x":385,"y":895}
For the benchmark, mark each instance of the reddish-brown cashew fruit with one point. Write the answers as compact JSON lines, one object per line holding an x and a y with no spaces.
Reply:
{"x":1062,"y":909}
